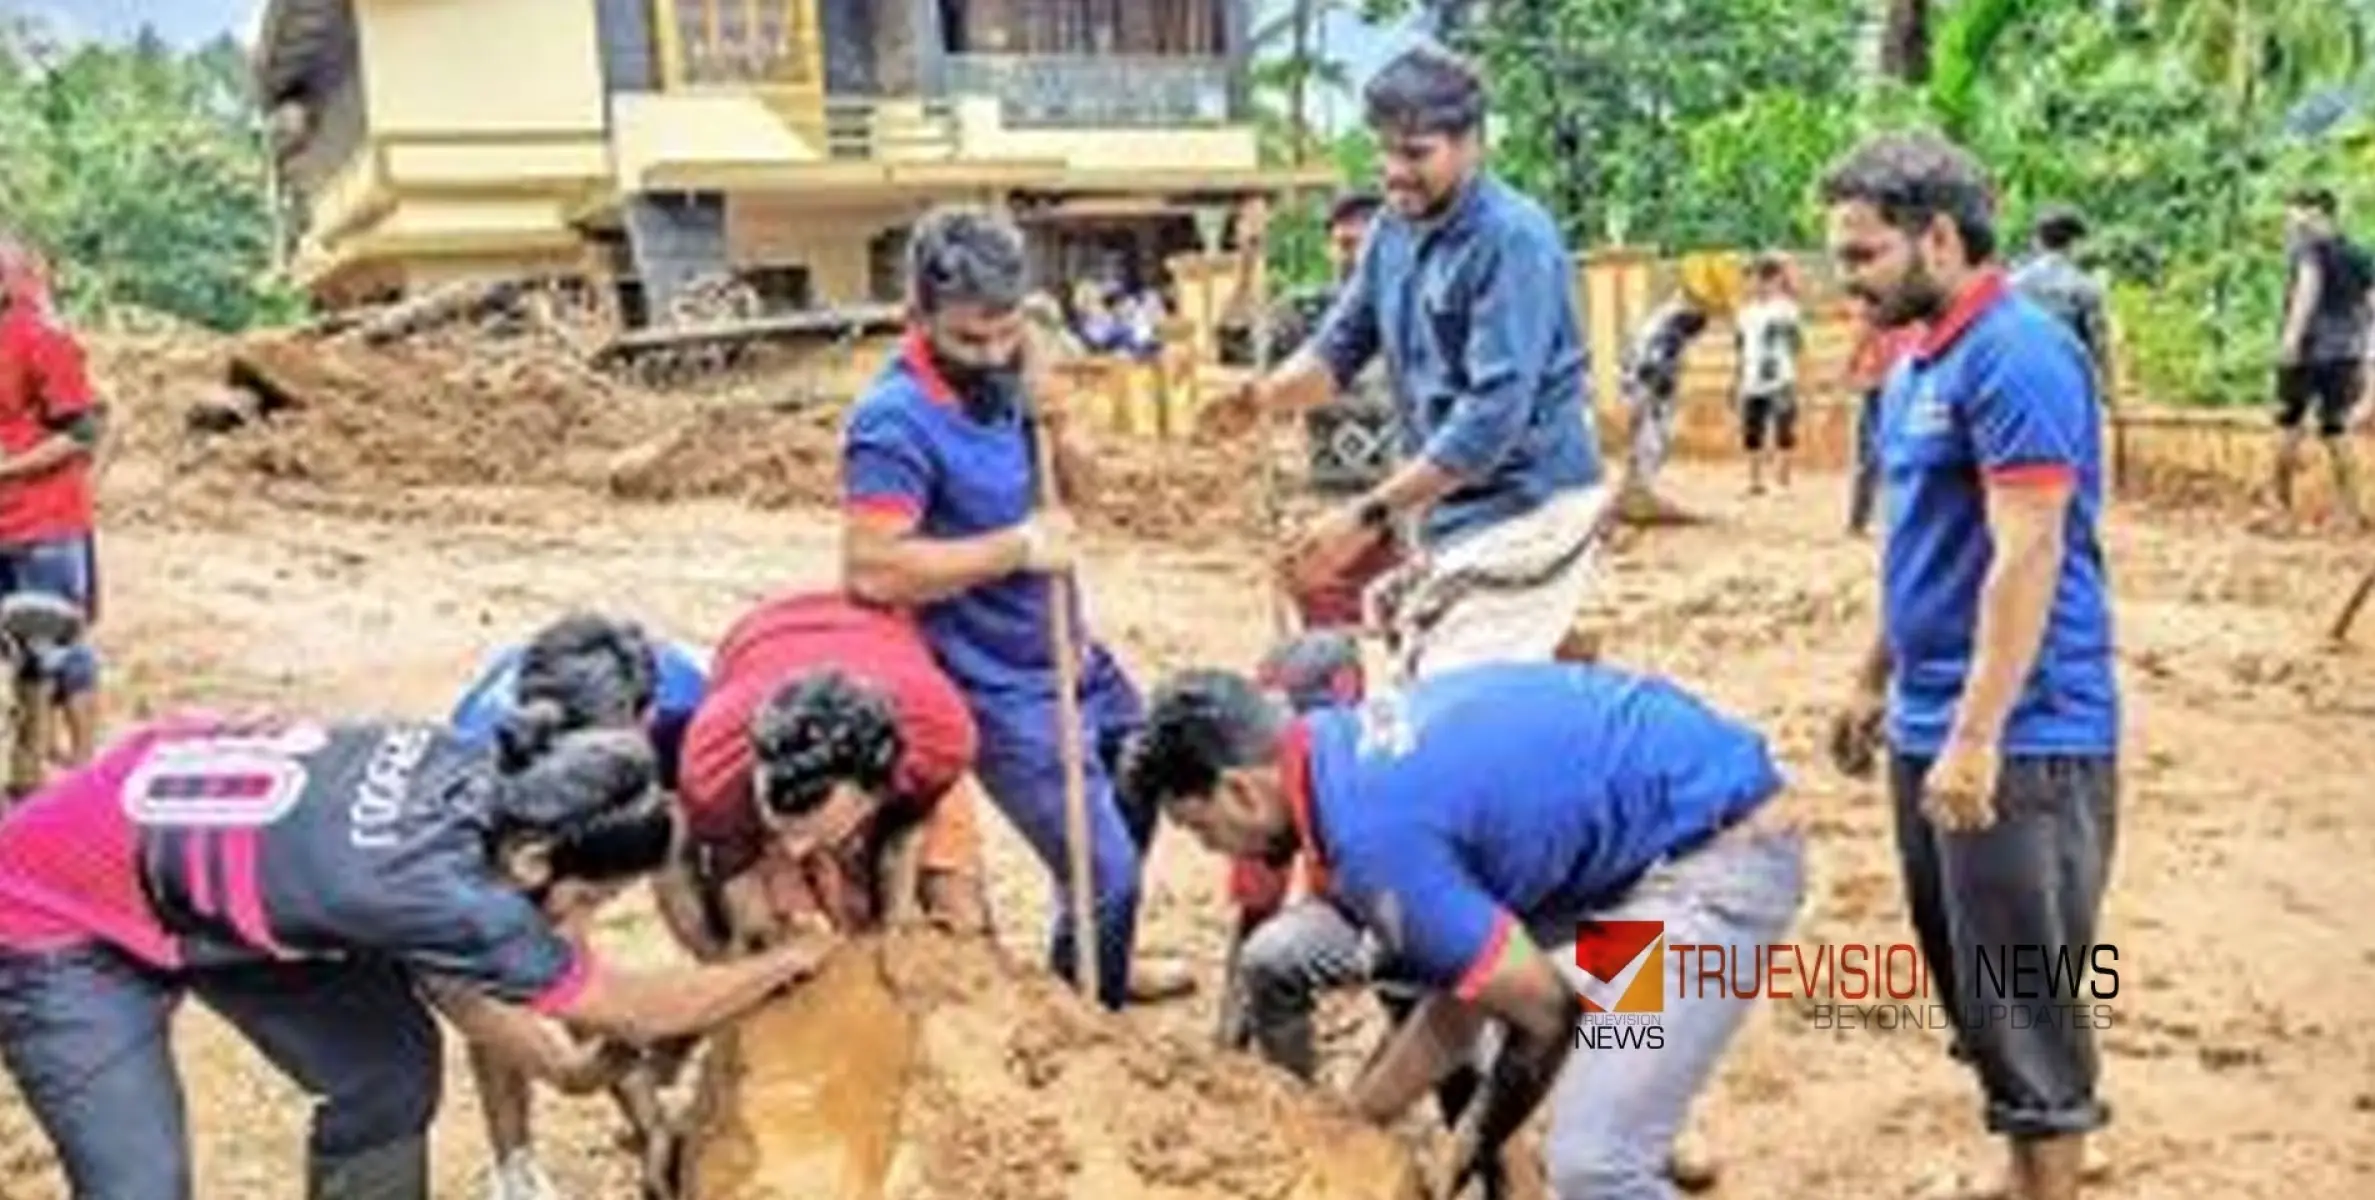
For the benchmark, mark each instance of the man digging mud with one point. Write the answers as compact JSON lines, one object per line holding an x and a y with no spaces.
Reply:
{"x":943,"y":518}
{"x":827,"y":780}
{"x":584,"y":671}
{"x":314,"y":884}
{"x":1994,"y":675}
{"x":1473,"y":825}
{"x":1504,"y":478}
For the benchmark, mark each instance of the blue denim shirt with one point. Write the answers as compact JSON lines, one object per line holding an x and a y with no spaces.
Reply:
{"x":1475,"y":314}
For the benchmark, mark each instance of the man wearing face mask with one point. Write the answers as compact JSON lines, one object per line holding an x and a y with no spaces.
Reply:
{"x":942,"y":518}
{"x":1465,"y":288}
{"x":1994,"y":678}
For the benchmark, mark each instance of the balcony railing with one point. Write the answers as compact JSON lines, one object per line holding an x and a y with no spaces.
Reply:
{"x":1059,"y":91}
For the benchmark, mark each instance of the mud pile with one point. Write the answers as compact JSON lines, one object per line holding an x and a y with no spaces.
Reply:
{"x":451,"y":410}
{"x":922,"y":1067}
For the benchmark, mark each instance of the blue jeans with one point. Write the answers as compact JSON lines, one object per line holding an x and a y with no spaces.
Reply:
{"x":1022,"y":767}
{"x":63,"y":567}
{"x":1614,"y":1113}
{"x":85,"y":1032}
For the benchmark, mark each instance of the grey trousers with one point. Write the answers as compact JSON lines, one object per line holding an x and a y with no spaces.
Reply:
{"x":2027,"y":889}
{"x":1613,"y":1114}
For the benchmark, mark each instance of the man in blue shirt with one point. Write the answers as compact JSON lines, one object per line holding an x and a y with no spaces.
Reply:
{"x":566,"y":658}
{"x":1466,"y":289}
{"x":1994,"y":674}
{"x":943,"y":518}
{"x":1475,"y":824}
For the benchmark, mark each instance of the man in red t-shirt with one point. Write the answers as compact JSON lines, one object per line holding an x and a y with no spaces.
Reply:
{"x":825,"y":779}
{"x":49,"y":427}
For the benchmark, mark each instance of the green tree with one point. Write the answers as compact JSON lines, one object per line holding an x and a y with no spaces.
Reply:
{"x":140,"y":171}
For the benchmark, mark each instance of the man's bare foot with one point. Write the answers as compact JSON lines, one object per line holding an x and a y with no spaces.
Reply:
{"x":1692,"y":1164}
{"x":1947,"y":1183}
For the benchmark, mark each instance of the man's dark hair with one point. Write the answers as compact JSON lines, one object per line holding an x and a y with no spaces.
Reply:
{"x":583,"y":671}
{"x":1354,"y":206}
{"x":2320,"y":199}
{"x":1199,"y":724}
{"x":1769,"y":268}
{"x":821,"y":729}
{"x":593,"y":796}
{"x":2060,"y":227}
{"x":1425,"y":90}
{"x":966,"y":255}
{"x":1914,"y":178}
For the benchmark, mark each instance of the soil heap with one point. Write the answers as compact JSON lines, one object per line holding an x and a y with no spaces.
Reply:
{"x":920,"y":1066}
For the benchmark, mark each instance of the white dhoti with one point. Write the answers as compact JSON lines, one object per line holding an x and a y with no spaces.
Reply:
{"x":1504,"y":593}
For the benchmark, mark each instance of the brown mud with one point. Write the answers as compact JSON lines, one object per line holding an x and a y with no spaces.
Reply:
{"x":2240,"y":1061}
{"x":920,"y":1067}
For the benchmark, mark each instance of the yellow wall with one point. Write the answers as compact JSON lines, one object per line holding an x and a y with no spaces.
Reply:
{"x":984,"y":135}
{"x":785,"y":229}
{"x":433,"y":217}
{"x":353,"y":185}
{"x":725,"y":126}
{"x":530,"y":162}
{"x":441,"y":65}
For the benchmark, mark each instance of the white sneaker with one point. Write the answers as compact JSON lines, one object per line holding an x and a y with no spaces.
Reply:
{"x":521,"y":1177}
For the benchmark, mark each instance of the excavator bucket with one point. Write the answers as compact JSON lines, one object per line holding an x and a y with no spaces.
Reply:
{"x":920,"y":1066}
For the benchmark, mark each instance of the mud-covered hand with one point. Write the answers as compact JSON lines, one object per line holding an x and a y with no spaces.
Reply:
{"x":598,"y":1064}
{"x":1855,"y":733}
{"x":1231,"y":415}
{"x":1959,"y":794}
{"x":1325,"y":550}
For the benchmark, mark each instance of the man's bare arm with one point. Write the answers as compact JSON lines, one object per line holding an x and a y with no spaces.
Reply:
{"x":884,"y":561}
{"x":1301,"y":384}
{"x":2025,"y":526}
{"x":2298,"y":308}
{"x":1523,"y":990}
{"x":644,"y":1008}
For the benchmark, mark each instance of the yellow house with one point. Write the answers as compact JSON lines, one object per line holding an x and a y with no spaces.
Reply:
{"x":648,"y":143}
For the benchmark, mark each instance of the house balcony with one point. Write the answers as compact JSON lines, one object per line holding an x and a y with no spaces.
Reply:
{"x":1080,"y":91}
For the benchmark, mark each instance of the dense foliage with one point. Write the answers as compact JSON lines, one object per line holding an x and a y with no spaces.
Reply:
{"x":2177,"y":125}
{"x":140,"y":172}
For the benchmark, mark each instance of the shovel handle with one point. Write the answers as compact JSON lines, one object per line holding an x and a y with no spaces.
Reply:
{"x":1068,"y":743}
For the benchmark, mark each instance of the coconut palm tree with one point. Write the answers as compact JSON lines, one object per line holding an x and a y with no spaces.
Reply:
{"x":2264,"y":54}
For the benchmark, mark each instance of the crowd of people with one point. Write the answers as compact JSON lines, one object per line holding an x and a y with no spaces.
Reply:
{"x":339,"y":889}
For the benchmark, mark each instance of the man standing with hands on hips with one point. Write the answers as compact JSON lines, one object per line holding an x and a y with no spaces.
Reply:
{"x":1465,"y":288}
{"x":1994,"y":677}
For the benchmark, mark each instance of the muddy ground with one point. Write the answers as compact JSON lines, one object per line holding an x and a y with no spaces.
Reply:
{"x":2242,"y":1062}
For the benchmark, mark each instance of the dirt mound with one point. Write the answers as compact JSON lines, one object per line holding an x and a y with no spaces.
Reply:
{"x":309,"y":416}
{"x":923,"y":1067}
{"x":416,"y":415}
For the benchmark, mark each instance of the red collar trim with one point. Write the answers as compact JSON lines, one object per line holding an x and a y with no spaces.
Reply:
{"x":1294,"y":770}
{"x":915,"y":353}
{"x":1977,"y":297}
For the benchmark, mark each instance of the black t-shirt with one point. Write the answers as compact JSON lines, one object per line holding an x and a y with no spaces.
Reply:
{"x":2338,"y":317}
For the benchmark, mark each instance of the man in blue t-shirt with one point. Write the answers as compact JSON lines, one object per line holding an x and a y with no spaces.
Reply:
{"x":1464,"y":290}
{"x":941,"y":488}
{"x":1994,"y":675}
{"x":1484,"y":826}
{"x":574,"y":650}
